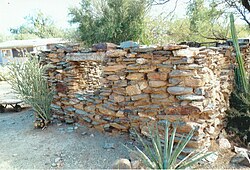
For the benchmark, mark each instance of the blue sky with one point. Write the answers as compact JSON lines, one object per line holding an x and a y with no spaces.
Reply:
{"x":12,"y":12}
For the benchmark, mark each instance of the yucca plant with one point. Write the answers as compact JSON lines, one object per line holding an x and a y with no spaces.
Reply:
{"x":4,"y":73}
{"x":165,"y":156}
{"x":28,"y":81}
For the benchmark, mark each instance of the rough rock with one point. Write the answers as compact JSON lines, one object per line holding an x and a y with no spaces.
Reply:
{"x":122,"y":164}
{"x":178,"y":90}
{"x":133,"y":90}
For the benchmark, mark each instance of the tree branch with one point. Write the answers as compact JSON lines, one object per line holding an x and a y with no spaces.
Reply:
{"x":160,"y":2}
{"x":246,"y":4}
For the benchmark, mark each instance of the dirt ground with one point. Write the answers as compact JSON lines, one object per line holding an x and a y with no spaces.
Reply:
{"x":64,"y":146}
{"x":59,"y":146}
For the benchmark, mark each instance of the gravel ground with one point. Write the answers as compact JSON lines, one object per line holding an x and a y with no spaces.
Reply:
{"x":58,"y":146}
{"x":62,"y":146}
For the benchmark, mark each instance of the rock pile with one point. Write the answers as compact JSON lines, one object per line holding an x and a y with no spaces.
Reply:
{"x":119,"y":90}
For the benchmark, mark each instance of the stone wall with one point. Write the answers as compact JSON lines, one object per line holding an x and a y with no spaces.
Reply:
{"x":120,"y":90}
{"x":245,"y":51}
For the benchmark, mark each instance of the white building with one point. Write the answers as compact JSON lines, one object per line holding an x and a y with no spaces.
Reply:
{"x":12,"y":50}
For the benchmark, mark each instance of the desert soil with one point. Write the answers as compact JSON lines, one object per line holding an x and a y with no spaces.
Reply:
{"x":64,"y":146}
{"x":58,"y":146}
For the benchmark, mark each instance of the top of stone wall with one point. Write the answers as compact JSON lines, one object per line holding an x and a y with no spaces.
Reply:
{"x":85,"y":56}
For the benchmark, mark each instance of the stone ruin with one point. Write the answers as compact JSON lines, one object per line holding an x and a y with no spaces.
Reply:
{"x":122,"y":90}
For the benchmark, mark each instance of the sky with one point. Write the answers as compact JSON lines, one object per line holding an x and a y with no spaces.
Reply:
{"x":12,"y":12}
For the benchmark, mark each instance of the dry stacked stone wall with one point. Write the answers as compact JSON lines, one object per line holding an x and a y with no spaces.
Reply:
{"x":245,"y":51}
{"x":121,"y":90}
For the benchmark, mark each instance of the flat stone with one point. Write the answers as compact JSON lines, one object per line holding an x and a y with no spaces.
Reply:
{"x":178,"y":90}
{"x":133,"y":67}
{"x":159,"y":90}
{"x":143,"y":85}
{"x":115,"y":53}
{"x":119,"y":90}
{"x":118,"y":126}
{"x":113,"y":77}
{"x":184,"y":52}
{"x":120,"y":113}
{"x":121,"y":83}
{"x":141,"y":61}
{"x":119,"y":98}
{"x":182,"y":110}
{"x":103,"y":46}
{"x":81,"y":112}
{"x":140,"y":96}
{"x":55,"y":106}
{"x":70,"y":109}
{"x":193,"y":82}
{"x":79,"y":106}
{"x":157,"y":76}
{"x":142,"y":102}
{"x":189,"y":67}
{"x":69,"y":121}
{"x":174,"y":47}
{"x":135,"y":76}
{"x":86,"y":119}
{"x":162,"y":53}
{"x":186,"y":60}
{"x":143,"y":49}
{"x":90,"y":109}
{"x":181,"y":73}
{"x":106,"y":111}
{"x":85,"y":56}
{"x":190,"y":97}
{"x":133,"y":90}
{"x":114,"y":68}
{"x":174,"y":81}
{"x":156,"y":83}
{"x":129,"y":44}
{"x":159,"y":96}
{"x":147,"y":69}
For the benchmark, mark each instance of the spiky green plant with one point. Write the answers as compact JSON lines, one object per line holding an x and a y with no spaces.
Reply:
{"x":4,"y":73}
{"x":166,"y":156}
{"x":28,"y":81}
{"x":240,"y":73}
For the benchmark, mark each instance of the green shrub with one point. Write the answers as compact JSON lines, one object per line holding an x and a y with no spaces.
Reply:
{"x":27,"y":79}
{"x":165,"y":157}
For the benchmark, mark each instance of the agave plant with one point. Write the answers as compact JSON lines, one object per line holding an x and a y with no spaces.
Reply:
{"x":28,"y":81}
{"x":165,"y":156}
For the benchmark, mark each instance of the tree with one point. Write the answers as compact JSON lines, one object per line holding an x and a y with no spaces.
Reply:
{"x":206,"y":21}
{"x":241,"y":8}
{"x":37,"y":26}
{"x":109,"y":20}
